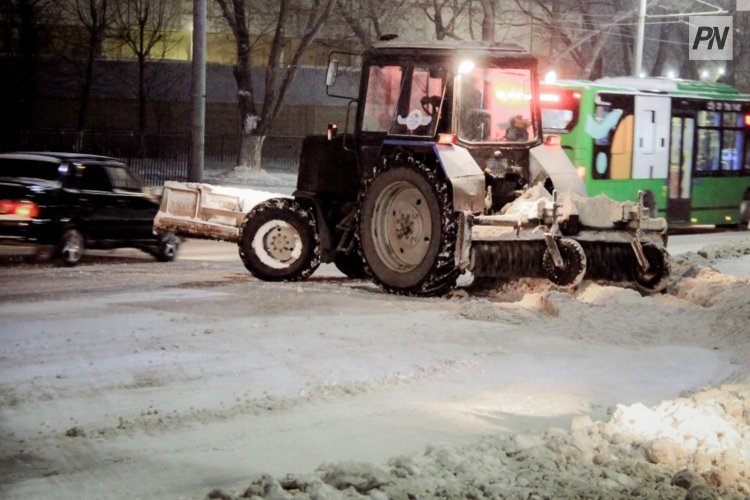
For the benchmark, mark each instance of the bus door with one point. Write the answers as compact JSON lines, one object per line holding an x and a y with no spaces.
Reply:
{"x":650,"y":141}
{"x":680,"y":167}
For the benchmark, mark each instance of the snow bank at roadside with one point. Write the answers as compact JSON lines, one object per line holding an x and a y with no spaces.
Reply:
{"x":695,"y":446}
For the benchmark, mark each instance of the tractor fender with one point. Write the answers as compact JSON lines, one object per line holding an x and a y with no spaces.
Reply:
{"x":550,"y":161}
{"x":311,"y":200}
{"x":462,"y":171}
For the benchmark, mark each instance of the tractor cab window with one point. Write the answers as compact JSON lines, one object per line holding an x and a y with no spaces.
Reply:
{"x":495,"y":105}
{"x":383,"y":90}
{"x":419,"y":105}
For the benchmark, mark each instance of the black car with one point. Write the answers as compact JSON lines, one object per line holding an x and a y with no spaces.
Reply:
{"x":66,"y":202}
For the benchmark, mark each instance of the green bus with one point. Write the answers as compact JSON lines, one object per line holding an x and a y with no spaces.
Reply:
{"x":686,"y":144}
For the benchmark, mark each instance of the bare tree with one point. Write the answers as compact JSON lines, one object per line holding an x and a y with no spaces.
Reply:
{"x":445,"y":15}
{"x":279,"y":74}
{"x":26,"y":35}
{"x":368,"y":20}
{"x":577,"y":31}
{"x":144,"y":27}
{"x":92,"y":16}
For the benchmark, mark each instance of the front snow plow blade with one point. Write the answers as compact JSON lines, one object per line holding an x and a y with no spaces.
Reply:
{"x":198,"y":210}
{"x":568,"y":238}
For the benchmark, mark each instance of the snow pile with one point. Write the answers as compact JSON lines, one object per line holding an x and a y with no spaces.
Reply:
{"x":726,"y":250}
{"x":692,"y":447}
{"x":695,"y":446}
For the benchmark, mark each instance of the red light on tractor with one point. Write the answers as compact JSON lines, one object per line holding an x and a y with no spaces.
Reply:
{"x":747,"y":120}
{"x":25,"y":209}
{"x":552,"y":140}
{"x":447,"y":139}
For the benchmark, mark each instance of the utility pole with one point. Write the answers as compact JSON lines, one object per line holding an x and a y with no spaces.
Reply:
{"x":638,"y":49}
{"x":198,"y":92}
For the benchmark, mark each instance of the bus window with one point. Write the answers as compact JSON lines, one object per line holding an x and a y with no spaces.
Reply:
{"x":612,"y":128}
{"x":721,"y":143}
{"x":708,"y":150}
{"x":732,"y":141}
{"x":675,"y":157}
{"x":731,"y":156}
{"x":687,"y":157}
{"x":709,"y":119}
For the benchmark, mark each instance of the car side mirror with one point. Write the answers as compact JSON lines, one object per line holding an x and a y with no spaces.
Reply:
{"x":332,"y":73}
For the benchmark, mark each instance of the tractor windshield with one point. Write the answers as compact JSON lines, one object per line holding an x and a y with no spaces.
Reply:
{"x":419,"y":103}
{"x":403,"y":100}
{"x":495,"y":105}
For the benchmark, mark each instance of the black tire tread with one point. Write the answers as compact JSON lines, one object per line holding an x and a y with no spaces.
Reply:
{"x":293,"y":212}
{"x":442,"y":276}
{"x":575,"y":264}
{"x":658,"y":277}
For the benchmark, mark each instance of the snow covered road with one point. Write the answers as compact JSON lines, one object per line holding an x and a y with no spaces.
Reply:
{"x":133,"y":379}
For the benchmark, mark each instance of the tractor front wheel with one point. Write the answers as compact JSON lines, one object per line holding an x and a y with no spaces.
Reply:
{"x":279,"y":241}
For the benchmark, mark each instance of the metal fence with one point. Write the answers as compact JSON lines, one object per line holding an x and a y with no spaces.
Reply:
{"x":155,"y":157}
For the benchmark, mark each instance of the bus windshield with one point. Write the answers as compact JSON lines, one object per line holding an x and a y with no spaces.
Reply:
{"x":495,"y":105}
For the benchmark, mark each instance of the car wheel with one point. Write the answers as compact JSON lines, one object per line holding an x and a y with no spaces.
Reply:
{"x":168,"y":246}
{"x":71,"y":247}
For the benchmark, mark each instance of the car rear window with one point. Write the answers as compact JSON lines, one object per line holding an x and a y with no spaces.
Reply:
{"x":123,"y":180}
{"x":29,"y":169}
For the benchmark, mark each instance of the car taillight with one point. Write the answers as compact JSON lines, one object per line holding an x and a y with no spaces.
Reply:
{"x":747,"y":120}
{"x":552,"y":140}
{"x":19,"y":208}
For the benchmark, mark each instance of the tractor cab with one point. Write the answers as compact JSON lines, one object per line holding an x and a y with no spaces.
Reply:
{"x":482,"y":97}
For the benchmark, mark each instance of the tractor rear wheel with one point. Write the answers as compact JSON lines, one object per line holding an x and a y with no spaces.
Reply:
{"x":407,"y":230}
{"x":279,"y":241}
{"x":350,"y":264}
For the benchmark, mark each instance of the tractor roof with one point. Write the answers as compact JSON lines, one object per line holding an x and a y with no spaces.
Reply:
{"x":441,"y":47}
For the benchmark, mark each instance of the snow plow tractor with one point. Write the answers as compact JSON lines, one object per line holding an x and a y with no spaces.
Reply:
{"x":444,"y":171}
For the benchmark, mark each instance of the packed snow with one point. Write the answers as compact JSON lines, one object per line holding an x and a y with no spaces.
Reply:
{"x":194,"y":380}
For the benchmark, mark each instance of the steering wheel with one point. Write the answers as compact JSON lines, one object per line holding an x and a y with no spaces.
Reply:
{"x":430,"y":104}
